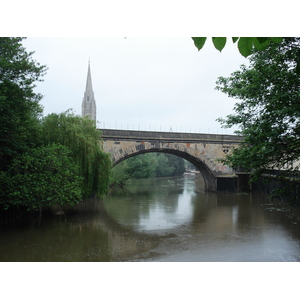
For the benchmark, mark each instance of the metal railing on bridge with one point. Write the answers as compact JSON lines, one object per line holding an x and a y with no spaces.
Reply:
{"x":164,"y":128}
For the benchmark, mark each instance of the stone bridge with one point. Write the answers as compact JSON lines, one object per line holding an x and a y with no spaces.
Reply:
{"x":202,"y":150}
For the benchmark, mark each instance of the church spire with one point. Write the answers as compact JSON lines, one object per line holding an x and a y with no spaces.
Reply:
{"x":89,"y":86}
{"x":88,"y":107}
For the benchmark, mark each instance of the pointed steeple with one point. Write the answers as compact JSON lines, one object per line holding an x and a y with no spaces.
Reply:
{"x":88,"y":107}
{"x":89,"y":86}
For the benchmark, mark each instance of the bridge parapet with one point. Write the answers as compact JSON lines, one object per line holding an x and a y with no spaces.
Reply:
{"x":169,"y":136}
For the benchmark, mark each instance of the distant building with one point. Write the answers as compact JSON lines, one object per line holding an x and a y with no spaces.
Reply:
{"x":88,"y":107}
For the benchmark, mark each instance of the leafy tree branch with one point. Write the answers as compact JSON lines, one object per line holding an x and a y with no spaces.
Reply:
{"x":245,"y":45}
{"x":267,"y":111}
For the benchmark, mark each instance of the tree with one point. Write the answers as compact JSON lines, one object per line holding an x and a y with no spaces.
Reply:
{"x":43,"y":162}
{"x":268,"y":113}
{"x":83,"y":139}
{"x":19,"y":105}
{"x":147,"y":165}
{"x":141,"y":166}
{"x":163,"y":166}
{"x":119,"y":175}
{"x":177,"y":163}
{"x":41,"y":177}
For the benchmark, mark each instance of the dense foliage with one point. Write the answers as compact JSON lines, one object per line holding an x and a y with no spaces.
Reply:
{"x":148,"y":165}
{"x":19,"y":105}
{"x":83,"y":139}
{"x":268,"y":110}
{"x":41,"y":177}
{"x":43,"y":161}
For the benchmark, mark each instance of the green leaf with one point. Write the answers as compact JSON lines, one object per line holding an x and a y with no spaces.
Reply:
{"x":234,"y":39}
{"x":199,"y":42}
{"x":219,"y":42}
{"x":276,"y":39}
{"x":261,"y":40}
{"x":245,"y":45}
{"x":260,"y":45}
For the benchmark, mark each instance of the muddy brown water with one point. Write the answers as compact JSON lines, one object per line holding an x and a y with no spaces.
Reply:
{"x":161,"y":219}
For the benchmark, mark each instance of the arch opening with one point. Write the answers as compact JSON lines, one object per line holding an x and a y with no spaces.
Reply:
{"x":208,"y":176}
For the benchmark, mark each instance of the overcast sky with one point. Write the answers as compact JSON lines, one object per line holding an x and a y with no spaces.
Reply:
{"x":139,"y":83}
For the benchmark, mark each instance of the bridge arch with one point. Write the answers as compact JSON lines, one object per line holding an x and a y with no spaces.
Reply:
{"x":207,"y":174}
{"x":202,"y":150}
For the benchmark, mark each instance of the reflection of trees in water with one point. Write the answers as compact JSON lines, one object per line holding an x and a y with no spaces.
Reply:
{"x":120,"y":242}
{"x":142,"y":197}
{"x":85,"y":233}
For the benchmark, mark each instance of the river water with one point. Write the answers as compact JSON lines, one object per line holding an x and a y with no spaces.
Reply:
{"x":161,"y":219}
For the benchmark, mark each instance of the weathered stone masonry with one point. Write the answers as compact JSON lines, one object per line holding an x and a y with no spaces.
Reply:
{"x":203,"y":150}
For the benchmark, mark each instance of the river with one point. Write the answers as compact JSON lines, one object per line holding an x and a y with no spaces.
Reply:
{"x":161,"y":219}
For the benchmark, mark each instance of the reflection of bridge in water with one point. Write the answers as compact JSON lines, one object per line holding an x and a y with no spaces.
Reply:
{"x":202,"y":150}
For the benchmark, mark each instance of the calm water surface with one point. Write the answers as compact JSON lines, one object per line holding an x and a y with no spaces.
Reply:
{"x":160,"y":219}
